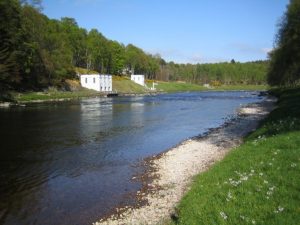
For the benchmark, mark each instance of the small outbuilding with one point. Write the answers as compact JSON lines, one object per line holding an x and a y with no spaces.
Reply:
{"x":98,"y":82}
{"x":138,"y":78}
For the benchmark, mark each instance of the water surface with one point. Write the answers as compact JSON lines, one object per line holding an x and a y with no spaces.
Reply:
{"x":71,"y":162}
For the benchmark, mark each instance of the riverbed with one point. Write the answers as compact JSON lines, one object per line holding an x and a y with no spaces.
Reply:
{"x":72,"y":162}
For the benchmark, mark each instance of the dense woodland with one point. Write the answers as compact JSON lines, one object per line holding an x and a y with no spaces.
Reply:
{"x":217,"y":73}
{"x":38,"y":52}
{"x":285,"y":59}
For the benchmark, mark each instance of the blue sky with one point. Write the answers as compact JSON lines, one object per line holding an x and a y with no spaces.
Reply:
{"x":183,"y":31}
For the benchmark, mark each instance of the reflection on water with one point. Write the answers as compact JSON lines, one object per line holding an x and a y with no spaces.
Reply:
{"x":70,"y":163}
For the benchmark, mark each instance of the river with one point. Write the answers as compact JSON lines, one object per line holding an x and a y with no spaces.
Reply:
{"x":72,"y":162}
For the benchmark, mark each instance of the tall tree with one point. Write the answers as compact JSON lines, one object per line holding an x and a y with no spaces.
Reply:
{"x":285,"y":58}
{"x":97,"y":52}
{"x":10,"y":41}
{"x":76,"y":39}
{"x":117,"y":58}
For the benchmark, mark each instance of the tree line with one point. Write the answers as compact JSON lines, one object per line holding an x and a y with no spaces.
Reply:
{"x":38,"y":52}
{"x":285,"y":58}
{"x":222,"y":73}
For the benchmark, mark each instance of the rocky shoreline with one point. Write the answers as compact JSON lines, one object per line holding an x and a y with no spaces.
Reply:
{"x":169,"y":174}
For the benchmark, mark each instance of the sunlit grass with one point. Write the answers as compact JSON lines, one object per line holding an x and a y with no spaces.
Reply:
{"x":181,"y":86}
{"x":53,"y":95}
{"x":243,"y":87}
{"x":177,"y":87}
{"x":123,"y":85}
{"x":257,"y":183}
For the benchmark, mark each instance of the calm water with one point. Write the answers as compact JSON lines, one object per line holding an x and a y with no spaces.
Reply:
{"x":70,"y":163}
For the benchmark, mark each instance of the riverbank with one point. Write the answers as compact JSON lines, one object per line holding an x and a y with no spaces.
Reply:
{"x":257,"y":183}
{"x":183,"y":86}
{"x":124,"y":87}
{"x":173,"y":171}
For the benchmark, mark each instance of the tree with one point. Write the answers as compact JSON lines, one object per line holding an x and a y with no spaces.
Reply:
{"x":10,"y":40}
{"x":76,"y":39}
{"x":37,"y":4}
{"x":97,"y":52}
{"x":137,"y":60}
{"x":47,"y":54}
{"x":285,"y":58}
{"x":117,"y":58}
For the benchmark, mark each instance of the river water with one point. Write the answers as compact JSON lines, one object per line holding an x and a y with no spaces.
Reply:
{"x":72,"y":162}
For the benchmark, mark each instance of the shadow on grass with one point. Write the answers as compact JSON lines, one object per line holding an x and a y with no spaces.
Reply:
{"x":285,"y":118}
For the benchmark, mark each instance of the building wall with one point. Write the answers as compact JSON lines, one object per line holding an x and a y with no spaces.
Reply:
{"x":98,"y":82}
{"x":139,"y":79}
{"x":105,"y":83}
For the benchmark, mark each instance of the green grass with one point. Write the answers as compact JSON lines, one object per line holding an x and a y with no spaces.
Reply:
{"x":81,"y":70}
{"x":121,"y":85}
{"x":181,"y":87}
{"x":53,"y":95}
{"x":257,"y":183}
{"x":178,"y":87}
{"x":124,"y":85}
{"x":242,"y":87}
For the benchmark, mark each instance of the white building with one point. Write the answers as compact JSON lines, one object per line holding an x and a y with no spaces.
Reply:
{"x":139,"y":79}
{"x":98,"y":82}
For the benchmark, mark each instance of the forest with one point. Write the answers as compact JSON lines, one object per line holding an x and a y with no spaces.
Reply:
{"x":37,"y":52}
{"x":284,"y":67}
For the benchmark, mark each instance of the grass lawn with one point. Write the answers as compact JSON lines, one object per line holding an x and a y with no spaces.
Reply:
{"x":181,"y":86}
{"x":242,"y":87}
{"x":123,"y":84}
{"x":177,"y":87}
{"x":53,"y":95}
{"x":258,"y":182}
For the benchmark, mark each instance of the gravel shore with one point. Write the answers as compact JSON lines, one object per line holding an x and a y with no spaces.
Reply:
{"x":173,"y":171}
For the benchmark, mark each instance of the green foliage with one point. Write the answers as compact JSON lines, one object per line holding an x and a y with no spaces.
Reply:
{"x":123,"y":85}
{"x":285,"y":59}
{"x":117,"y":58}
{"x":37,"y":52}
{"x":34,"y":49}
{"x":10,"y":41}
{"x":80,"y":70}
{"x":257,"y":183}
{"x":224,"y":73}
{"x":75,"y":39}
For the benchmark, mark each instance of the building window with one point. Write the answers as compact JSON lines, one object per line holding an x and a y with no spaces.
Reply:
{"x":86,"y":80}
{"x":94,"y":80}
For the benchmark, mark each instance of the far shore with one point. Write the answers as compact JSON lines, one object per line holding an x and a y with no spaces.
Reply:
{"x":21,"y":99}
{"x":170,"y":173}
